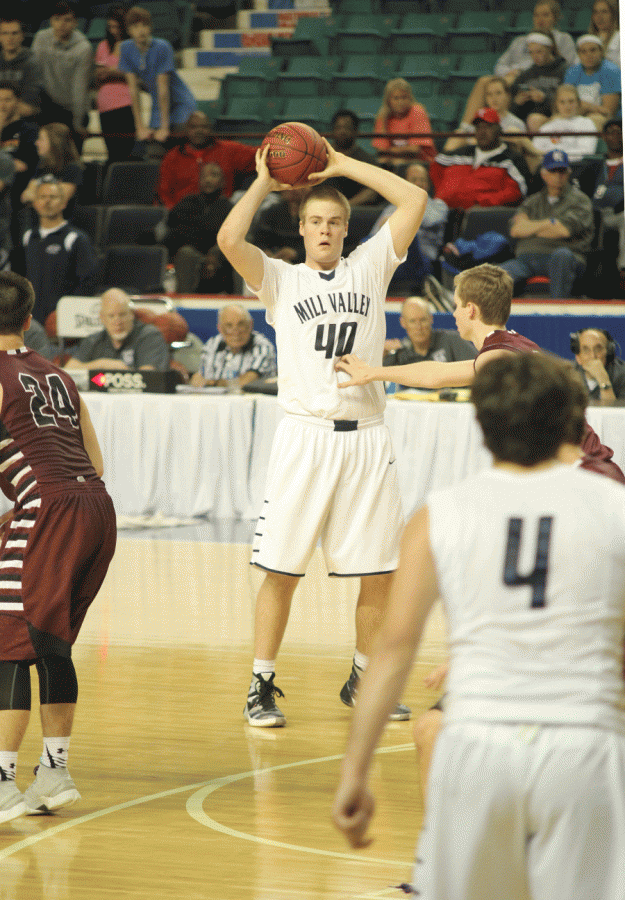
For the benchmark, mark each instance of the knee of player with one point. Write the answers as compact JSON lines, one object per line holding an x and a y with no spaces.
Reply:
{"x":426,"y":728}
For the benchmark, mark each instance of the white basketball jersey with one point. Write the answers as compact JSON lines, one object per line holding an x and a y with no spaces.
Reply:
{"x":532,"y":574}
{"x":319,"y":317}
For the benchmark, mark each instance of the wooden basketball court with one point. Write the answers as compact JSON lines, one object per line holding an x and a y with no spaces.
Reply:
{"x":180,"y":797}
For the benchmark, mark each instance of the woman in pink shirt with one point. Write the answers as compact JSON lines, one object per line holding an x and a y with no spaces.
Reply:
{"x":400,"y":113}
{"x":114,"y":103}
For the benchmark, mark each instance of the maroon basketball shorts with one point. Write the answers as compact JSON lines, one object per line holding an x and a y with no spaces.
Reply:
{"x":54,"y":555}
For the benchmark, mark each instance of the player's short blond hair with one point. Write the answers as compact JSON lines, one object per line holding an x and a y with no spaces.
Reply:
{"x":325,"y":192}
{"x":490,"y":289}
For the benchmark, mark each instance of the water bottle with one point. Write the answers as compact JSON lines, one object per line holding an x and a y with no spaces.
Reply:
{"x":169,"y":279}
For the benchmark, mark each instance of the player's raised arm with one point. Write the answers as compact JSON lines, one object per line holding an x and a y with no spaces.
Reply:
{"x":245,"y":257}
{"x":429,"y":374}
{"x":409,"y":200}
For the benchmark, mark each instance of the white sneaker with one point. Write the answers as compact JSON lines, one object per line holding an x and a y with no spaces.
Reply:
{"x":51,"y":789}
{"x":11,"y":801}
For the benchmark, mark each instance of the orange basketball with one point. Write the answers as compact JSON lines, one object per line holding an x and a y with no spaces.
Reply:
{"x":295,"y":152}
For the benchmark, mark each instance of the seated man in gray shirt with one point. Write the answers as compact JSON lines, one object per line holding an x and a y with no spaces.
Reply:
{"x":422,"y":341}
{"x":124,"y":342}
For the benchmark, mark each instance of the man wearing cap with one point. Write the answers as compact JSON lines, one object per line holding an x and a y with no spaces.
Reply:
{"x":553,"y":229}
{"x":598,"y":81}
{"x":489,"y":174}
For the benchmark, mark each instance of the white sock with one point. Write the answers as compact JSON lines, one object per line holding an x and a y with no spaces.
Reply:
{"x":360,"y":661}
{"x":8,"y":765}
{"x":55,"y":751}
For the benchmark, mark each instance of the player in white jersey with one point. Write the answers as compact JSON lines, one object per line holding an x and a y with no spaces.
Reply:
{"x":526,"y":796}
{"x":332,"y":476}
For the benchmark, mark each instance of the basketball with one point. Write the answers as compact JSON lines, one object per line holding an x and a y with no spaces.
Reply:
{"x":295,"y":152}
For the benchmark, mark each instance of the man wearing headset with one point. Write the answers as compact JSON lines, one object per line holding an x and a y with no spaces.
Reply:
{"x":595,"y":357}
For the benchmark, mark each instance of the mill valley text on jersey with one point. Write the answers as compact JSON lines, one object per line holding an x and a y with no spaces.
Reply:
{"x":338,"y":302}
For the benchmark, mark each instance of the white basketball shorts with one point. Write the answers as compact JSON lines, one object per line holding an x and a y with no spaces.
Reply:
{"x":524,"y":811}
{"x":336,"y":487}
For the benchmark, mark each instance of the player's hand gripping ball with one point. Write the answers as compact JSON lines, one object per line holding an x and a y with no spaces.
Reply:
{"x":295,"y":152}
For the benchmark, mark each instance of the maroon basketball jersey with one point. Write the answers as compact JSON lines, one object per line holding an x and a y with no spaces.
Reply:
{"x":508,"y":340}
{"x":40,"y":436}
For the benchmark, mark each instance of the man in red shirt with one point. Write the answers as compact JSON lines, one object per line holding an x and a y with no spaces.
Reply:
{"x":180,"y":168}
{"x":488,"y":174}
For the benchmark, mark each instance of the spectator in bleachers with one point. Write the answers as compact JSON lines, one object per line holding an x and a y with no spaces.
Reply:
{"x":277,"y":230}
{"x":113,"y":99}
{"x":7,"y":173}
{"x":238,"y":354}
{"x":553,"y":230}
{"x":19,"y":66}
{"x":567,"y":118}
{"x":179,"y":173}
{"x":422,"y":341}
{"x":516,"y":57}
{"x":37,"y":339}
{"x":401,"y":114}
{"x":602,"y":181}
{"x":595,"y":359}
{"x":66,"y":58}
{"x":598,"y":81}
{"x":60,"y":258}
{"x":410,"y":275}
{"x":192,"y":237}
{"x":59,"y":157}
{"x":499,"y":98}
{"x":124,"y":342}
{"x":17,"y":137}
{"x":533,"y":90}
{"x":489,"y":174}
{"x":604,"y":22}
{"x":344,"y":137}
{"x":149,"y":61}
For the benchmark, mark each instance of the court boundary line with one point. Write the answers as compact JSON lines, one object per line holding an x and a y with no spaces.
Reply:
{"x":210,"y":787}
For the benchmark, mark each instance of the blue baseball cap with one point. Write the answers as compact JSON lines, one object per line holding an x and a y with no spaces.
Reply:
{"x":556,"y":159}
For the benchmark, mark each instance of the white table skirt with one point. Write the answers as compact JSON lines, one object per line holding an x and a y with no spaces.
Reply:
{"x":185,"y":456}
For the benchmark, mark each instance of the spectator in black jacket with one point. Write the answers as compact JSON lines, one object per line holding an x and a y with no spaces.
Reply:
{"x":193,"y":224}
{"x":60,"y":258}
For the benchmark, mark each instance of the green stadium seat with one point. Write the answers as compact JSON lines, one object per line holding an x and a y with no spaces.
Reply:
{"x":243,"y":114}
{"x":366,"y":108}
{"x":254,"y":79}
{"x":442,"y":111}
{"x":311,"y":37}
{"x":522,"y":24}
{"x":479,"y":31}
{"x":314,"y":111}
{"x":470,"y":67}
{"x":362,"y":76}
{"x":422,"y":74}
{"x":580,"y":21}
{"x":363,"y":34}
{"x":212,"y":108}
{"x":306,"y":76}
{"x":419,"y":33}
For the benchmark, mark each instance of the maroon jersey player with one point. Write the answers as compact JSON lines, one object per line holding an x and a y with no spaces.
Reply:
{"x":483,"y":299}
{"x":55,"y":549}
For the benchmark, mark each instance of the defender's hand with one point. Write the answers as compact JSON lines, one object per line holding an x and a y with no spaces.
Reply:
{"x":358,"y":371}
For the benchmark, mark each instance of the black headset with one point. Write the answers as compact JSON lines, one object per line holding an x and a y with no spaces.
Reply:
{"x":611,"y":348}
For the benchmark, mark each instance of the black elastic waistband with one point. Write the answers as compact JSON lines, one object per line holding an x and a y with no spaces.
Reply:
{"x":345,"y":424}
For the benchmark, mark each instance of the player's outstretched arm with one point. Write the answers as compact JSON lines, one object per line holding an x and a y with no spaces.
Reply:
{"x":410,"y":201}
{"x":428,"y":374}
{"x":414,"y":590}
{"x":243,"y":256}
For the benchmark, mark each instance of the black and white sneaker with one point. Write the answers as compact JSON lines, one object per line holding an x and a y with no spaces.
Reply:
{"x":260,"y":709}
{"x":350,"y":690}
